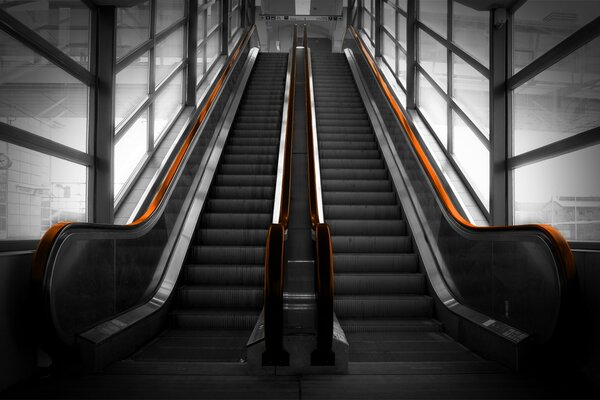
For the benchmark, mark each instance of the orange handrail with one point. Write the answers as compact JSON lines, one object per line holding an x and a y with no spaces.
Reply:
{"x":44,"y":248}
{"x":559,"y":244}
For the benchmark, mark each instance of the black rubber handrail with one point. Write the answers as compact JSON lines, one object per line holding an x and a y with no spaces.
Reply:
{"x":274,"y":273}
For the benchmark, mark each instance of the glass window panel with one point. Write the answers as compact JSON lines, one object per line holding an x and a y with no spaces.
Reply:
{"x":201,"y":26}
{"x":129,"y":151}
{"x":212,"y":16}
{"x":39,"y":97}
{"x":131,"y":88}
{"x":560,"y":102}
{"x":563,"y":191}
{"x":200,"y":64}
{"x":540,"y":25}
{"x":133,"y":27}
{"x":168,"y":12}
{"x":471,"y":32}
{"x":367,"y":5}
{"x":471,"y":91}
{"x":168,"y":53}
{"x":167,"y":105}
{"x":389,"y":18}
{"x":213,"y":49}
{"x":66,"y":25}
{"x":434,"y":13}
{"x":366,"y":24}
{"x":403,"y":4}
{"x":234,"y":4}
{"x":433,"y":58}
{"x":402,"y":30}
{"x":402,"y":67}
{"x":473,"y":158}
{"x":434,"y":108}
{"x":234,"y":24}
{"x":389,"y":51}
{"x":37,"y":191}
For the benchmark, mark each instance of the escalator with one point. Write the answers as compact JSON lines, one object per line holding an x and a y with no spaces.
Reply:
{"x":220,"y":292}
{"x":381,"y":297}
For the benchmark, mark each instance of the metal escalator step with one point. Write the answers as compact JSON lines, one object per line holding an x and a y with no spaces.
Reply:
{"x":241,"y":140}
{"x":273,"y":133}
{"x":258,"y":119}
{"x":383,"y":306}
{"x":233,"y":237}
{"x":244,"y":180}
{"x":247,"y":112}
{"x":247,"y":169}
{"x":347,"y":129}
{"x":242,"y":192}
{"x":336,"y":121}
{"x":206,"y":254}
{"x":375,"y":227}
{"x":346,"y":137}
{"x":370,"y":283}
{"x":229,"y":220}
{"x":224,"y":274}
{"x":356,"y":185}
{"x":214,"y":319}
{"x":233,"y":149}
{"x":342,"y":144}
{"x":361,"y":212}
{"x":349,"y":154}
{"x":253,"y":126}
{"x":270,"y":159}
{"x":243,"y":297}
{"x":340,"y":163}
{"x":371,"y":244}
{"x":390,"y":326}
{"x":384,"y":263}
{"x":354,"y":173}
{"x":245,"y":206}
{"x":359,"y":198}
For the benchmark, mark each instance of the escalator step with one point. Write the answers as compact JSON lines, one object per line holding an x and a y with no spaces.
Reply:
{"x":226,"y":254}
{"x":383,"y":263}
{"x":359,"y":198}
{"x":374,"y":227}
{"x":233,"y":237}
{"x":234,"y":318}
{"x":224,"y":274}
{"x":356,"y":185}
{"x":371,"y":244}
{"x":228,"y":220}
{"x":247,"y":169}
{"x":220,"y":297}
{"x":382,"y":306}
{"x":366,"y":327}
{"x":244,"y":192}
{"x":353,"y":173}
{"x":361,"y":212}
{"x":244,"y":180}
{"x":244,"y":206}
{"x":365,"y":283}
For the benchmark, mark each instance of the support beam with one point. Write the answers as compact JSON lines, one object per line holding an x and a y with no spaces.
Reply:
{"x":411,"y":54}
{"x":103,"y":205}
{"x":498,"y":118}
{"x":378,"y":22}
{"x":225,"y":27}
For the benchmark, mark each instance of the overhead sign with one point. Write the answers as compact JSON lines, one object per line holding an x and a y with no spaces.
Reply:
{"x":301,"y":17}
